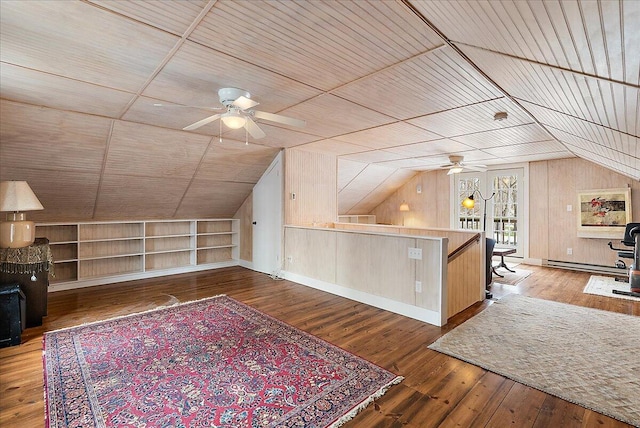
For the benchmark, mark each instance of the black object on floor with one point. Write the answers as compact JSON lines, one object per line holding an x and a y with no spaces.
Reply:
{"x":12,"y":314}
{"x":626,"y":293}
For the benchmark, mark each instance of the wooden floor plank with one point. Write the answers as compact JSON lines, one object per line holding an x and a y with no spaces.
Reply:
{"x":478,"y":406}
{"x":520,"y":407}
{"x":438,"y":390}
{"x":556,"y":412}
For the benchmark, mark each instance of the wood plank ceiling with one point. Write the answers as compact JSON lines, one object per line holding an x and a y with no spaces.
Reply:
{"x":390,"y":87}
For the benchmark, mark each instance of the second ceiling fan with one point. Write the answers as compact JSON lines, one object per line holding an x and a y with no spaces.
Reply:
{"x":238,"y":105}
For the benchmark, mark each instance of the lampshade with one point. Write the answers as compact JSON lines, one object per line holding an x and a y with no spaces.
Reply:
{"x":455,"y":170}
{"x":233,"y":119}
{"x":18,"y":196}
{"x":404,"y":206}
{"x":469,"y":202}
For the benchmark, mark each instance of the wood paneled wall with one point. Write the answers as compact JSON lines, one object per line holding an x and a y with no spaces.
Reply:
{"x":553,"y":184}
{"x":552,"y":229}
{"x":245,"y":214}
{"x":465,"y":281}
{"x":539,"y":210}
{"x":373,"y":268}
{"x":456,"y":237}
{"x":312,"y":177}
{"x":428,"y":209}
{"x":373,"y":259}
{"x":465,"y":274}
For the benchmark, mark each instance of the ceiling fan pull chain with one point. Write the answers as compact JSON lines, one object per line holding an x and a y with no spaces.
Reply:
{"x":220,"y":130}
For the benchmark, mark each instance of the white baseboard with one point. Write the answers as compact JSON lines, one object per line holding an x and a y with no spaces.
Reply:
{"x":246,"y":264}
{"x":420,"y":314}
{"x":82,"y":283}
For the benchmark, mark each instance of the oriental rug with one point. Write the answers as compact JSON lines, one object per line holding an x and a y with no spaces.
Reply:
{"x":583,"y":355}
{"x":213,"y":362}
{"x":604,"y":286}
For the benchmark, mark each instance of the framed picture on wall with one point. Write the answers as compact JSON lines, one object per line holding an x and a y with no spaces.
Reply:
{"x":603,"y":213}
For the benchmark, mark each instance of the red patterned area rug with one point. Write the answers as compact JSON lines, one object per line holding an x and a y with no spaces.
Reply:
{"x":213,"y":362}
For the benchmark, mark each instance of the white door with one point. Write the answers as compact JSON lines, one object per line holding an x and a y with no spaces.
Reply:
{"x":267,"y":219}
{"x":504,"y":217}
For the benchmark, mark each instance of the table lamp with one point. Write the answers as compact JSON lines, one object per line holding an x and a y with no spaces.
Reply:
{"x":15,"y":198}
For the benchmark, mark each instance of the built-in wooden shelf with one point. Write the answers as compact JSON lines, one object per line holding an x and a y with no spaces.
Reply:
{"x":94,"y":253}
{"x":368,"y":219}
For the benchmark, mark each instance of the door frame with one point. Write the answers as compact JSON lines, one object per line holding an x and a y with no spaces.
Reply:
{"x":267,"y":219}
{"x":523,"y":251}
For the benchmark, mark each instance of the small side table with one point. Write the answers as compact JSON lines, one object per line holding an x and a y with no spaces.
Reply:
{"x":502,"y":252}
{"x":30,"y":267}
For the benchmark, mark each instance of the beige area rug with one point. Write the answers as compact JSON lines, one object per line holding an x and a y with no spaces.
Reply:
{"x":604,"y":286}
{"x":511,"y":278}
{"x":582,"y":355}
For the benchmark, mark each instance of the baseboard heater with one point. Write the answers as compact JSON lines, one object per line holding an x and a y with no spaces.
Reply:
{"x":611,"y":270}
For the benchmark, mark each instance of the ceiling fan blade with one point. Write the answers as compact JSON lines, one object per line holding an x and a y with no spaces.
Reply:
{"x":279,"y":119}
{"x":481,"y":168}
{"x":202,"y":122}
{"x":253,"y":129}
{"x":244,"y":103}
{"x":181,"y":106}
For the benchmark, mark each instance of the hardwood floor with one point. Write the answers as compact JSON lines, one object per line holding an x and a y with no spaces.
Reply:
{"x":438,"y":391}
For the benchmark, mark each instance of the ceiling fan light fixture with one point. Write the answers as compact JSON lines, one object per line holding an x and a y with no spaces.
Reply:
{"x":233,"y":119}
{"x":455,"y":170}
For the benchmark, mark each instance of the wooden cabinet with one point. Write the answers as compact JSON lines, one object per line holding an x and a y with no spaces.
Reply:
{"x":28,"y":267}
{"x":93,"y":253}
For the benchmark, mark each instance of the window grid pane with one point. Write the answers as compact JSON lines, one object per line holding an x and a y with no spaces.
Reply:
{"x":505,"y":210}
{"x":468,"y":218}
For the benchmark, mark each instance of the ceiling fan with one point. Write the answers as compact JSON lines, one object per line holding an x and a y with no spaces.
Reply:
{"x":239,"y":114}
{"x":456,"y":165}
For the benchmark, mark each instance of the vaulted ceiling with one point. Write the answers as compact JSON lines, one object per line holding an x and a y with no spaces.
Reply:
{"x":390,"y":87}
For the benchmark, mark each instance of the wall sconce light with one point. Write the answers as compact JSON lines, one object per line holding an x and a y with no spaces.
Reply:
{"x":16,"y":197}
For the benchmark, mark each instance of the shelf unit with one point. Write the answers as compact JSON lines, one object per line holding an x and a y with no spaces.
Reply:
{"x":368,"y":219}
{"x":216,"y":242}
{"x":94,"y":253}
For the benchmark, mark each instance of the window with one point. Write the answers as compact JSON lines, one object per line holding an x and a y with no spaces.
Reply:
{"x":469,"y":218}
{"x":504,"y":209}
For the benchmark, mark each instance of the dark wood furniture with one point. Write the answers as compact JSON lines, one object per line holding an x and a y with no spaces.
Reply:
{"x":501,"y":252}
{"x":29,"y":267}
